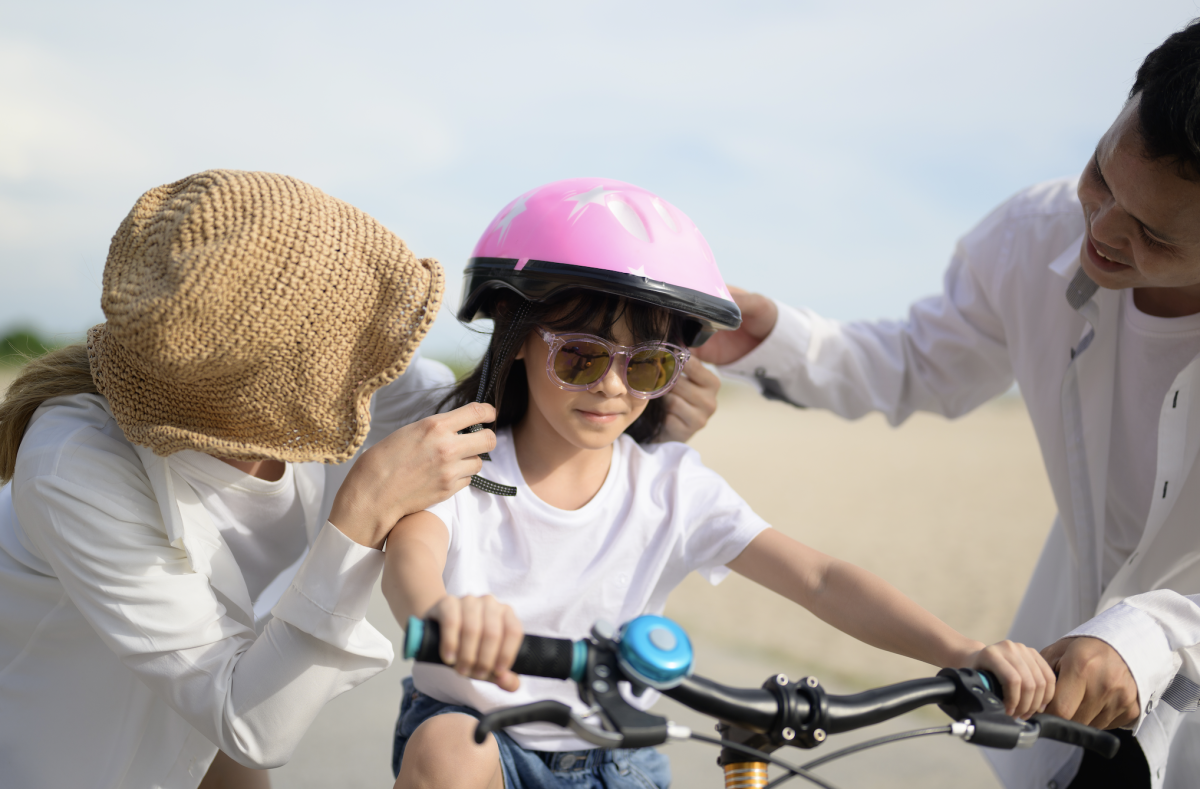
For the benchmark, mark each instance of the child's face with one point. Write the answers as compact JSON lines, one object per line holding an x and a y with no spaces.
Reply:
{"x":588,"y":420}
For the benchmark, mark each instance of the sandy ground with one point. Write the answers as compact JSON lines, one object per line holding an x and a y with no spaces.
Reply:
{"x":953,"y":513}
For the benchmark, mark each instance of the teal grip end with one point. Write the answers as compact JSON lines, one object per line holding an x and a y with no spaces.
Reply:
{"x":413,"y":635}
{"x":579,"y":652}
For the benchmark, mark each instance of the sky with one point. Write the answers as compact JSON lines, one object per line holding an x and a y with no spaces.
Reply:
{"x":831,"y":152}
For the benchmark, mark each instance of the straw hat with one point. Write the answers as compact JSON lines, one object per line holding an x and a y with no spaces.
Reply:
{"x":251,"y":316}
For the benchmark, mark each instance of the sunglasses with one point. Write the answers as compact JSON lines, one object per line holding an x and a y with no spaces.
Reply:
{"x":579,"y":362}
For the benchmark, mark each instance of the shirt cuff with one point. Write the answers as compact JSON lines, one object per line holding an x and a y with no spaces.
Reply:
{"x":1141,"y":643}
{"x":330,"y":593}
{"x":780,"y":355}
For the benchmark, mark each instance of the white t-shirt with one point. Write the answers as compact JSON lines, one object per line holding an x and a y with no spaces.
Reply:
{"x":658,"y":516}
{"x":1151,"y":352}
{"x":261,"y":521}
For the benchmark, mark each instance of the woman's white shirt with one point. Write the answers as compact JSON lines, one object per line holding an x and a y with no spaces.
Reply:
{"x":259,"y":520}
{"x":129,"y":646}
{"x":658,"y":516}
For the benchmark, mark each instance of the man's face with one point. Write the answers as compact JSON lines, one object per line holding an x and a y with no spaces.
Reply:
{"x":1143,"y":221}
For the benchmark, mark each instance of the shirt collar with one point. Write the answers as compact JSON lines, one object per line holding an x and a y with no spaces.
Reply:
{"x":1065,"y":264}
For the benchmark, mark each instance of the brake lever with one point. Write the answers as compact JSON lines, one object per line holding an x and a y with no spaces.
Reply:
{"x":561,"y":715}
{"x":538,"y":712}
{"x":600,"y":688}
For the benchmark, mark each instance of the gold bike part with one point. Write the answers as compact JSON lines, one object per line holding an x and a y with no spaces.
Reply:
{"x":746,"y":775}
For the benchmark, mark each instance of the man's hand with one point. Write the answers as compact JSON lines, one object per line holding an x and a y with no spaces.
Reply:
{"x":1094,"y":685}
{"x":758,"y":319}
{"x":691,"y":403}
{"x":414,"y":468}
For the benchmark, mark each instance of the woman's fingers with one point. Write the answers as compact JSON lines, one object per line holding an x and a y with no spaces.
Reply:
{"x":410,"y":470}
{"x":464,"y":416}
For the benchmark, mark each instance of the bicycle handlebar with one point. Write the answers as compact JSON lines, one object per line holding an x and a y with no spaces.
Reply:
{"x":539,"y":656}
{"x":1053,"y":727}
{"x":799,"y":713}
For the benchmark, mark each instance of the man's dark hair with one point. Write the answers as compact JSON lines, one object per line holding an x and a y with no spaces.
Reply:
{"x":1169,"y":111}
{"x":588,"y":311}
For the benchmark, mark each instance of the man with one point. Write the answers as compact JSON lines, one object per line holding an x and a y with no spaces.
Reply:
{"x":1087,"y":294}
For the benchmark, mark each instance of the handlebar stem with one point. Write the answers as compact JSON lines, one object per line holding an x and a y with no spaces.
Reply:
{"x":803,"y":719}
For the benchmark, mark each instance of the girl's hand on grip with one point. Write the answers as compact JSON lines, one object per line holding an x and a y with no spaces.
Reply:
{"x":1027,"y":678}
{"x":480,"y":638}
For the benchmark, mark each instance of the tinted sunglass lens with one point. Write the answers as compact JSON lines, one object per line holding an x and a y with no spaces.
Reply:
{"x":651,"y":370}
{"x":579,"y":362}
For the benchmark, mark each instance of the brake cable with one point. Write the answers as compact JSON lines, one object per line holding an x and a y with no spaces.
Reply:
{"x":793,"y":770}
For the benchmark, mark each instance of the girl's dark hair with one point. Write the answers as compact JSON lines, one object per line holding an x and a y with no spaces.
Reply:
{"x":577,"y":310}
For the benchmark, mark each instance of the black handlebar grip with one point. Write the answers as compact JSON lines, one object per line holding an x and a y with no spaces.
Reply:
{"x":993,"y":683}
{"x":538,"y":656}
{"x":1100,"y":742}
{"x":549,"y":711}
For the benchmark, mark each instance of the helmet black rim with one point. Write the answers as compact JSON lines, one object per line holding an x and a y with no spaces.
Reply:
{"x":539,"y":280}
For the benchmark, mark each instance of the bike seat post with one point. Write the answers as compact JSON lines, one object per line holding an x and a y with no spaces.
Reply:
{"x":742,"y":771}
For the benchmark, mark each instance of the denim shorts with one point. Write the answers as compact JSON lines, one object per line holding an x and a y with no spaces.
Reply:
{"x":596,"y":768}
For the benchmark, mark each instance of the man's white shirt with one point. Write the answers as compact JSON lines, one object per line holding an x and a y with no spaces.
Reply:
{"x":1003,"y":317}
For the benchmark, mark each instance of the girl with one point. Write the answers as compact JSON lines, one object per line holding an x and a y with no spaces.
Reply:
{"x":596,"y":289}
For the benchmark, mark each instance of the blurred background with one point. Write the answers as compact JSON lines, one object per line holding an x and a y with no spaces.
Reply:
{"x":830,"y":152}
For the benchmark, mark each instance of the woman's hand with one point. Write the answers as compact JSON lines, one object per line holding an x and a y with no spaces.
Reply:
{"x":414,"y":468}
{"x":480,"y":638}
{"x":1027,"y":678}
{"x":691,"y":402}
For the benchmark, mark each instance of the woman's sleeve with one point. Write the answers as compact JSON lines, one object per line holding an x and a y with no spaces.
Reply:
{"x":90,"y":514}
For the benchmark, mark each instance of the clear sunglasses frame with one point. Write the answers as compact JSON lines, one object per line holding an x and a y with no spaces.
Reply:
{"x":557,"y":341}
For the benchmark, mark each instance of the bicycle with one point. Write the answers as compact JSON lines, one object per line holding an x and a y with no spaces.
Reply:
{"x":655,"y":652}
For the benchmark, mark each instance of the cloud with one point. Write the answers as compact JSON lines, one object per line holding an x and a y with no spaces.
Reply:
{"x":830,"y":152}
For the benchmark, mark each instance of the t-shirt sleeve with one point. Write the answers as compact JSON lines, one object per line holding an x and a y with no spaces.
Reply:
{"x":446,"y":512}
{"x":718,"y":523}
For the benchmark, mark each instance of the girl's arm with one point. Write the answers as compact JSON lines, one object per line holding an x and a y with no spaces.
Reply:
{"x":480,"y":635}
{"x":865,"y":606}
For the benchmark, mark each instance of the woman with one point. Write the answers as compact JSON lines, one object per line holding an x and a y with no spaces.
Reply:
{"x":180,"y":572}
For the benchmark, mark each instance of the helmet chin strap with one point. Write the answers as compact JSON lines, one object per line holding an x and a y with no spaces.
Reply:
{"x":485,"y":388}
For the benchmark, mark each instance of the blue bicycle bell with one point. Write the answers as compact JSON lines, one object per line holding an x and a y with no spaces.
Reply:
{"x":654,"y":651}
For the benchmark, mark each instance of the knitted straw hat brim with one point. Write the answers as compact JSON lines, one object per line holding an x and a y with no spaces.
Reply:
{"x":251,"y":316}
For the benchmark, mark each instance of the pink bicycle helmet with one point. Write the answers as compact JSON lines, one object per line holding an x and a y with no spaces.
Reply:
{"x":601,"y":235}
